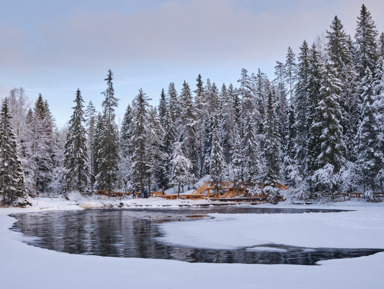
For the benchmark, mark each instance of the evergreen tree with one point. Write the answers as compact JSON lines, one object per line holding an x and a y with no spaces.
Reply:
{"x":272,"y":143}
{"x":168,"y":141}
{"x":380,"y":46}
{"x":181,"y":167}
{"x":368,"y":159}
{"x":126,"y":149}
{"x":314,"y":114}
{"x":11,"y":171}
{"x":174,"y":107}
{"x":90,"y":114}
{"x":290,"y":69}
{"x":365,"y":42}
{"x":217,"y":163}
{"x":27,"y":156}
{"x":163,"y":107}
{"x":44,"y":145}
{"x":156,"y":157}
{"x":252,"y":167}
{"x":75,"y":155}
{"x":301,"y":105}
{"x":139,"y":134}
{"x":96,"y":153}
{"x":332,"y":155}
{"x":107,"y":176}
{"x":188,"y":127}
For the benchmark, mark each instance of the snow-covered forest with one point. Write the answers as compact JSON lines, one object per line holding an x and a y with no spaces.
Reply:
{"x":317,"y":127}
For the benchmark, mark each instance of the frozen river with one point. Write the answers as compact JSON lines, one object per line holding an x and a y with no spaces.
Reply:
{"x":136,"y":233}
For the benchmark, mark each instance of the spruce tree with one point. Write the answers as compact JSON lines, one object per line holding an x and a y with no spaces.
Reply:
{"x":44,"y":145}
{"x":126,"y":149}
{"x":156,"y":171}
{"x":331,"y":159}
{"x":180,"y":167}
{"x":75,"y":155}
{"x":301,"y":105}
{"x":11,"y":171}
{"x":139,"y":135}
{"x":217,"y":163}
{"x":365,"y":42}
{"x":290,"y":69}
{"x":188,"y":122}
{"x":90,"y":116}
{"x":107,"y":176}
{"x":368,"y":146}
{"x":272,"y":143}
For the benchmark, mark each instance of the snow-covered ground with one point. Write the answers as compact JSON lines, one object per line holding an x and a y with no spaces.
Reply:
{"x":27,"y":267}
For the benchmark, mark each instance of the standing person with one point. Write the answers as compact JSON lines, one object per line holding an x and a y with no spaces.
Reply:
{"x":143,"y":192}
{"x":163,"y":190}
{"x":146,"y":192}
{"x":134,"y":193}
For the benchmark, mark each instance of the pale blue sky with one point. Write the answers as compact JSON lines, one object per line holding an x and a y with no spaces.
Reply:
{"x":55,"y":47}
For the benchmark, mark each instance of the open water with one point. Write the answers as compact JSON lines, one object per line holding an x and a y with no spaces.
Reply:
{"x":133,"y":234}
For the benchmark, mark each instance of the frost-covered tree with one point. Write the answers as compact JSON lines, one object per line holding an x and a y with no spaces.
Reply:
{"x":365,"y":42}
{"x":108,"y":166}
{"x":369,"y":160}
{"x":11,"y":171}
{"x":272,"y":143}
{"x":217,"y":162}
{"x":75,"y":155}
{"x":180,"y":167}
{"x":90,"y":117}
{"x":189,"y":129}
{"x":378,"y":104}
{"x":252,"y":166}
{"x":301,"y":105}
{"x":331,"y":159}
{"x":156,"y":157}
{"x":26,"y":152}
{"x":44,"y":145}
{"x":138,"y":139}
{"x":126,"y":149}
{"x":290,"y":69}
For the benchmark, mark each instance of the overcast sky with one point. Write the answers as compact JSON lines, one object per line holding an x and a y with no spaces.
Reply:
{"x":54,"y":47}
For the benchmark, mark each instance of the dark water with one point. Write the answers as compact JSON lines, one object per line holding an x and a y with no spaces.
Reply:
{"x":133,"y":233}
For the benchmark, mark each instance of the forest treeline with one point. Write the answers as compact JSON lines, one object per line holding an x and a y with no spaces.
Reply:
{"x":317,"y":127}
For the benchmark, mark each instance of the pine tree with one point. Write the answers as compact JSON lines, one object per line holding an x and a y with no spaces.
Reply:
{"x":27,"y":156}
{"x":188,"y":127}
{"x":11,"y":171}
{"x":75,"y":155}
{"x":107,"y":176}
{"x":217,"y":163}
{"x":168,"y":141}
{"x":90,"y":126}
{"x":290,"y":69}
{"x":368,"y":159}
{"x":163,"y":107}
{"x":126,"y":149}
{"x":181,"y":167}
{"x":139,"y":134}
{"x":44,"y":145}
{"x":365,"y":42}
{"x":174,"y":107}
{"x":252,"y":167}
{"x":314,"y":114}
{"x":156,"y":157}
{"x":272,"y":143}
{"x":381,"y":45}
{"x":378,"y":105}
{"x":332,"y":155}
{"x":301,"y":105}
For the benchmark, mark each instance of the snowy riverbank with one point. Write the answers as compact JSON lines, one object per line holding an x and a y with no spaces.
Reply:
{"x":27,"y":267}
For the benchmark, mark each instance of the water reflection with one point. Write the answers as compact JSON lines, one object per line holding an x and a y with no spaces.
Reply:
{"x":133,"y":233}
